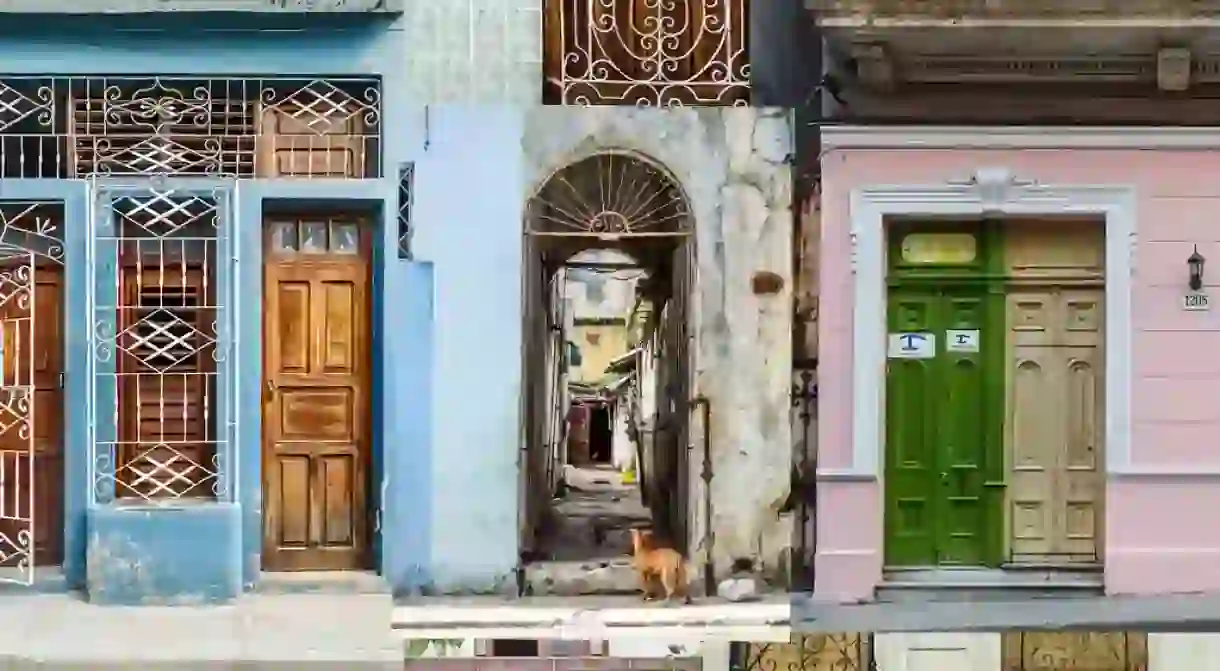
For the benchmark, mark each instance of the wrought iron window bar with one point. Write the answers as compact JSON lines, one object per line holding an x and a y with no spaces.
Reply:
{"x":75,"y":127}
{"x":406,"y":204}
{"x":650,"y":53}
{"x":30,"y":240}
{"x":158,"y":340}
{"x":1075,"y":651}
{"x":812,"y":652}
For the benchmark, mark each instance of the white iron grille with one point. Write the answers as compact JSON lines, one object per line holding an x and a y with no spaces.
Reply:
{"x":158,"y":348}
{"x":64,"y":127}
{"x":29,"y":236}
{"x":649,"y":53}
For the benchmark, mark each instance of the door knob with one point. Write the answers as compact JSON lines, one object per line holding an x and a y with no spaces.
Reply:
{"x":270,"y":394}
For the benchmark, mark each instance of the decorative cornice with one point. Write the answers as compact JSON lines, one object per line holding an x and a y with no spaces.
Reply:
{"x":1018,"y":137}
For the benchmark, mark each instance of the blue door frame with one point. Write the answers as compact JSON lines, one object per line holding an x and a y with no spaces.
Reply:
{"x":402,"y":386}
{"x":402,"y":371}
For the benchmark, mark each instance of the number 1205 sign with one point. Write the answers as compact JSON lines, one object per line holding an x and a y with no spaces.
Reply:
{"x":1195,"y":302}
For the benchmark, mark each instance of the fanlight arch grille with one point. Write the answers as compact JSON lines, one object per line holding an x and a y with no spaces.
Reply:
{"x":610,"y":197}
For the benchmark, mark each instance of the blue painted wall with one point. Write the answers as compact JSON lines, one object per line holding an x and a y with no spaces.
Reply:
{"x":403,"y":378}
{"x":468,"y":215}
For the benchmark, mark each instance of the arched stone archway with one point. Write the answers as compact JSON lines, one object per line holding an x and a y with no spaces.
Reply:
{"x":610,"y":194}
{"x":612,"y":201}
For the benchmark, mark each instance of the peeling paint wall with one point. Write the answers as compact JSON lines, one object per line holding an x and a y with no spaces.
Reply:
{"x":733,"y":165}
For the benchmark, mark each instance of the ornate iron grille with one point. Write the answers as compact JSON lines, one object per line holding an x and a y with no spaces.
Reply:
{"x":610,"y":197}
{"x":406,"y":197}
{"x":1076,"y":651}
{"x":64,"y":127}
{"x":158,"y":340}
{"x":29,"y":238}
{"x":813,"y":652}
{"x":646,"y":52}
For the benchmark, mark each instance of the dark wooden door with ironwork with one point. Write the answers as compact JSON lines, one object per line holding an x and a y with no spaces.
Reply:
{"x":316,"y":416}
{"x":38,"y":498}
{"x":1075,"y":651}
{"x":48,"y":336}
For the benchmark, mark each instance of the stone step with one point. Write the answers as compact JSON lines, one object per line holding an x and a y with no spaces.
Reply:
{"x":983,"y":584}
{"x":574,"y":578}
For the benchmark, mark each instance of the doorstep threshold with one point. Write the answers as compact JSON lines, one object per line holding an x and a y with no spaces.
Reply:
{"x":992,"y":578}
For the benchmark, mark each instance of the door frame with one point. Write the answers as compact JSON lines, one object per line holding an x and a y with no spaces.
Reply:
{"x":988,"y":192}
{"x":368,"y":227}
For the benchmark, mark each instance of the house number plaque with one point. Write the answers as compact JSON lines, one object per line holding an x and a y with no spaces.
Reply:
{"x":1196,"y":302}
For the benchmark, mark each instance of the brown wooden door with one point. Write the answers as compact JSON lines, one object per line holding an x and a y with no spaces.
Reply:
{"x":316,"y":402}
{"x":46,"y":338}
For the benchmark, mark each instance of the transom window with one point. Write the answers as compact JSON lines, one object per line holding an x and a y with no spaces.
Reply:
{"x":315,"y":236}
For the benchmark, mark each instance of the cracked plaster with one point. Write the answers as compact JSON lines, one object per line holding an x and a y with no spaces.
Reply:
{"x":732,"y":165}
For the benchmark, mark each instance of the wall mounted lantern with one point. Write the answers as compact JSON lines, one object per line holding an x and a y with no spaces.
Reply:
{"x":1195,"y":265}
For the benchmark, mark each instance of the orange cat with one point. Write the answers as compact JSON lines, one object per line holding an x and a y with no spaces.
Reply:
{"x":662,"y":565}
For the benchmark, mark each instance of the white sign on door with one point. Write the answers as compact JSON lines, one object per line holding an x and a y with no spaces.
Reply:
{"x":912,"y":345}
{"x":962,"y":340}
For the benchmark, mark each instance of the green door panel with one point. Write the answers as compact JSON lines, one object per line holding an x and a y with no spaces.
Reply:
{"x":910,"y":439}
{"x":938,"y":434}
{"x":961,"y":438}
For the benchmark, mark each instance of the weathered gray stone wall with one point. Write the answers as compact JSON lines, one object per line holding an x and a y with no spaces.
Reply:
{"x":732,"y":164}
{"x":474,"y":51}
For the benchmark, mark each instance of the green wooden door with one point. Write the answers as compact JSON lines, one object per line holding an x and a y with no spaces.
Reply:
{"x":938,"y":438}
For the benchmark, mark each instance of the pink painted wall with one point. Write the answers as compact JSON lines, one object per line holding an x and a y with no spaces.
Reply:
{"x":1160,"y":536}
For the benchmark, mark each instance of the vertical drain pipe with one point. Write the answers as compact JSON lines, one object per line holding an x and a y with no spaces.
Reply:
{"x":709,"y":565}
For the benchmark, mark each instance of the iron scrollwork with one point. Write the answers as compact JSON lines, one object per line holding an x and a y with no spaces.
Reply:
{"x":812,"y":652}
{"x":651,"y":53}
{"x":63,"y":127}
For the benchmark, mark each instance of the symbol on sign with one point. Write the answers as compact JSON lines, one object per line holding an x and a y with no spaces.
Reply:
{"x":912,"y":345}
{"x":912,"y":341}
{"x":962,"y":340}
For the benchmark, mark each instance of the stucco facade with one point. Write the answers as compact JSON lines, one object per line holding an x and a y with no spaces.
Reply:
{"x":125,"y":552}
{"x":731,"y":164}
{"x":1158,"y":380}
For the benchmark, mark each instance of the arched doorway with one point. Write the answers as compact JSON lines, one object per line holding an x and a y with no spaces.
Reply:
{"x":621,"y":223}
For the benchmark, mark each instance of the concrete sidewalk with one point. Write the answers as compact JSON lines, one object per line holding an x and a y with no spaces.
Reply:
{"x":260,"y":628}
{"x":1172,"y":613}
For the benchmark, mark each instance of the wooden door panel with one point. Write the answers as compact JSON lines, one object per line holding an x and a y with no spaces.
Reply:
{"x":962,"y":438}
{"x":911,"y":476}
{"x":1055,"y":428}
{"x":1033,"y":416}
{"x":48,"y":415}
{"x":316,"y":406}
{"x":37,"y":494}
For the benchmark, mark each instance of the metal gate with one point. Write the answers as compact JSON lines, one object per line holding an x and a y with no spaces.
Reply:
{"x":1075,"y":651}
{"x":812,"y":652}
{"x":27,"y":238}
{"x":160,"y":262}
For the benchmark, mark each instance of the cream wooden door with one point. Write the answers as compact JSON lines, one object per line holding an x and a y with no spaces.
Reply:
{"x":938,"y":652}
{"x":1055,"y":424}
